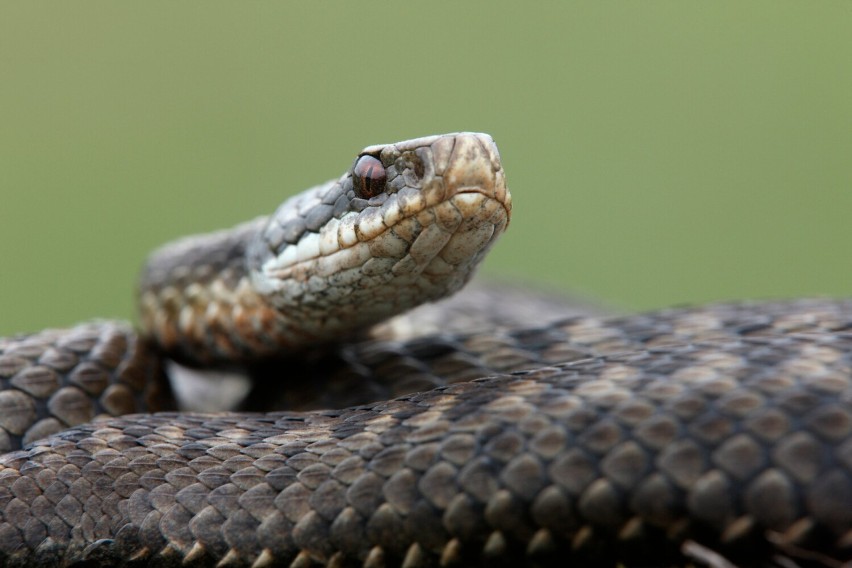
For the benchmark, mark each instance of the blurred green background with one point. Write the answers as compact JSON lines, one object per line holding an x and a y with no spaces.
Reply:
{"x":658,"y":152}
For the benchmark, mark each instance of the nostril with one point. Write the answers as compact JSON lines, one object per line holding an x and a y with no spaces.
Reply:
{"x":416,"y":163}
{"x":419,"y":168}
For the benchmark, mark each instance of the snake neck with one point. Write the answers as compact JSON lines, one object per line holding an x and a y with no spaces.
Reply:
{"x":199,"y":306}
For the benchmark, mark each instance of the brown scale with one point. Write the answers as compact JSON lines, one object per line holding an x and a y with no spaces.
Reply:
{"x":57,"y":379}
{"x":604,"y":460}
{"x":728,"y":428}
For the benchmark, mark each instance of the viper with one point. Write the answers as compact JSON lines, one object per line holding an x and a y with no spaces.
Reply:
{"x":497,"y":428}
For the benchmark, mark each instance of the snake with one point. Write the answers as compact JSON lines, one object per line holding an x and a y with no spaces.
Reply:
{"x":498,"y":427}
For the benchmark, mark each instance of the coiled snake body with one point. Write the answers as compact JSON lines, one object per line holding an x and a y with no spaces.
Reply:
{"x":579,"y":439}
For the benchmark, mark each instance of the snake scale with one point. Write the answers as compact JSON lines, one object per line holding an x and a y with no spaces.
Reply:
{"x":543,"y":439}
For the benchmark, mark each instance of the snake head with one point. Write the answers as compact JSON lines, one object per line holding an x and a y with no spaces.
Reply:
{"x":406,"y":224}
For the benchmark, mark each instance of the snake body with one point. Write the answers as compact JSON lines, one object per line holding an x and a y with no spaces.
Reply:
{"x":598,"y":440}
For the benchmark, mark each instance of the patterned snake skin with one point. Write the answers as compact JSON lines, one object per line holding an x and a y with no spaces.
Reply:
{"x":581,"y":439}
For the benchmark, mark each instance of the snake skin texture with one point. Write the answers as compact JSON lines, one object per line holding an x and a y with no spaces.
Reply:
{"x":729,"y":425}
{"x":59,"y":378}
{"x":500,"y":429}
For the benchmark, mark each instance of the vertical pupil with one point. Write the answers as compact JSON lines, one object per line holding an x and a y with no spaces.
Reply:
{"x":368,"y":177}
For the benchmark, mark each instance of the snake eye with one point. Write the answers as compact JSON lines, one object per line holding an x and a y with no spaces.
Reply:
{"x":368,"y":177}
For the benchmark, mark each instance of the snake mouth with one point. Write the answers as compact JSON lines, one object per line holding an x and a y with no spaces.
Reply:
{"x":404,"y":243}
{"x":500,"y":196}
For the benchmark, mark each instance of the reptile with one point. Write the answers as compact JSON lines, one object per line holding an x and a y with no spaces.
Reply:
{"x":515,"y":432}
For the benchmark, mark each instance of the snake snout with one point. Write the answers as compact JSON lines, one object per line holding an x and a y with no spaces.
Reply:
{"x":474,"y":167}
